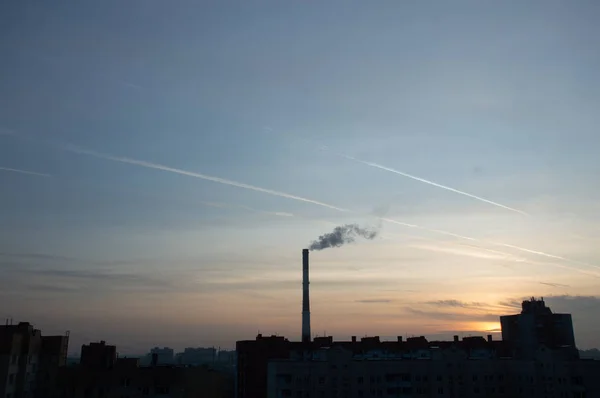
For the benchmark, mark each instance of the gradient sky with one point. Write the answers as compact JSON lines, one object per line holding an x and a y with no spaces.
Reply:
{"x":137,"y":139}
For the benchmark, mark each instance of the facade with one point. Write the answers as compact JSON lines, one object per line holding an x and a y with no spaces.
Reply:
{"x":469,"y":368}
{"x":29,"y":362}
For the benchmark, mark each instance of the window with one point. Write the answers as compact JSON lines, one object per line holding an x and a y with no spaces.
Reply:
{"x":441,"y":390}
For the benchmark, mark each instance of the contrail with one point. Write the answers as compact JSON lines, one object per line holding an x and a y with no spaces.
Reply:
{"x":435,"y":184}
{"x":544,"y":254}
{"x":224,"y":181}
{"x":25,"y":172}
{"x":441,"y":232}
{"x":219,"y":180}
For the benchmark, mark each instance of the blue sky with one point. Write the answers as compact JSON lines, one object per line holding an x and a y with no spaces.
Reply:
{"x":495,"y":100}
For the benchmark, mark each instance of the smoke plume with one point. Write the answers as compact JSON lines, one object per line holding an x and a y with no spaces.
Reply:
{"x":341,"y":235}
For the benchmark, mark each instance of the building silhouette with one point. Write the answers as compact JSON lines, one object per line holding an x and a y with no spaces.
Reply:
{"x":536,"y":325}
{"x":98,"y":355}
{"x":164,"y":356}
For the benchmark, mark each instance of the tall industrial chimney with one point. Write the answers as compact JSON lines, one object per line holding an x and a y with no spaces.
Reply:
{"x":305,"y":299}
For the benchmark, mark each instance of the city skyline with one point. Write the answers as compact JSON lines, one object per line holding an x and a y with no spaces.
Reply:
{"x":162,"y":167}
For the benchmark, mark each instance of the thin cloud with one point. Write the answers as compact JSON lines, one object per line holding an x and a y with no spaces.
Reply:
{"x":4,"y":131}
{"x":157,"y":166}
{"x":25,"y":172}
{"x":456,"y":303}
{"x":52,"y":288}
{"x":451,"y":316}
{"x":222,"y":205}
{"x":373,"y":301}
{"x":131,"y":85}
{"x":554,"y":284}
{"x":435,"y":184}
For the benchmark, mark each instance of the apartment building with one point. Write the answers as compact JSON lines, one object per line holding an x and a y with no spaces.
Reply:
{"x":29,"y":361}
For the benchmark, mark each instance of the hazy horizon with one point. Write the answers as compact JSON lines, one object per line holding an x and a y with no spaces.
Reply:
{"x":163,"y":165}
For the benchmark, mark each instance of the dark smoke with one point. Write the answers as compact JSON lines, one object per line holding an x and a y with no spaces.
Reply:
{"x":340,"y":236}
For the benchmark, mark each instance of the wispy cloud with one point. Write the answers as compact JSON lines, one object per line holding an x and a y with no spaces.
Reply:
{"x":33,"y":173}
{"x":4,"y":131}
{"x":131,"y":85}
{"x":373,"y":301}
{"x":456,"y":303}
{"x":222,"y":205}
{"x":452,"y":316}
{"x":40,"y":287}
{"x":157,"y":166}
{"x":554,"y":284}
{"x":435,"y":184}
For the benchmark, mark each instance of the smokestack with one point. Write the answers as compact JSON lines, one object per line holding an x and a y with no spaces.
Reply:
{"x":305,"y":299}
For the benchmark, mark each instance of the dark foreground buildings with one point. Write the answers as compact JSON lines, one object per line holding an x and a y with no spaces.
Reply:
{"x":537,"y":357}
{"x":35,"y":366}
{"x":103,"y":374}
{"x":29,"y":362}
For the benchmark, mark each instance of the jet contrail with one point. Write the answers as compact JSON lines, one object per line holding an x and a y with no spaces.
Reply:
{"x":544,"y":254}
{"x":435,"y":184}
{"x":219,"y":180}
{"x":224,"y":181}
{"x":25,"y":172}
{"x":441,"y":232}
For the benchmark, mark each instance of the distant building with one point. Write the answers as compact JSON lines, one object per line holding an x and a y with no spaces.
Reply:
{"x":164,"y":356}
{"x":226,"y":357}
{"x":125,"y":378}
{"x":98,"y":355}
{"x":197,"y":356}
{"x":535,"y":326}
{"x":29,"y":362}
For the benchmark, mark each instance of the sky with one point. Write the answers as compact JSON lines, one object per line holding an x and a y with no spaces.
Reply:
{"x":163,"y":164}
